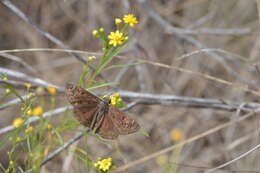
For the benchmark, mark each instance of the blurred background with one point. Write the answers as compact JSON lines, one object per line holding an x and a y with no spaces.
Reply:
{"x":217,"y":38}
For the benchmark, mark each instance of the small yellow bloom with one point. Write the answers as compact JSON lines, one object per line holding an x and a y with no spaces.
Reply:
{"x":49,"y":126}
{"x":115,"y":99}
{"x":104,"y":165}
{"x":91,"y":58}
{"x":101,"y":30}
{"x":176,"y":135}
{"x":7,"y":90}
{"x":18,"y":139}
{"x":118,"y":21}
{"x":29,"y":129}
{"x":11,"y":163}
{"x":116,"y":38}
{"x":37,"y":111}
{"x":94,"y":32}
{"x":28,"y":85}
{"x":52,"y":90}
{"x":17,"y":122}
{"x":40,"y":91}
{"x":29,"y":112}
{"x":130,"y":19}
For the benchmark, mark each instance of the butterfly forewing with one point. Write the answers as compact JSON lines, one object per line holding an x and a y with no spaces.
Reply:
{"x":80,"y":98}
{"x":85,"y":104}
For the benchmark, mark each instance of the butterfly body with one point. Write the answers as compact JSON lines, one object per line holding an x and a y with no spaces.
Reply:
{"x":96,"y":114}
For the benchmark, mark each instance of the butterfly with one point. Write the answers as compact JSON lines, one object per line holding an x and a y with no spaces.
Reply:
{"x":96,"y":114}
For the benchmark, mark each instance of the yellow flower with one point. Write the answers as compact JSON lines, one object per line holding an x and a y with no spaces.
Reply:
{"x":116,"y":38}
{"x":29,"y":129}
{"x":7,"y":90}
{"x":17,"y":122}
{"x":29,"y":112}
{"x":118,"y":21}
{"x":28,"y":85}
{"x":101,"y":30}
{"x":115,"y":99}
{"x":11,"y":163}
{"x":37,"y":111}
{"x":176,"y":135}
{"x":49,"y":126}
{"x":130,"y":19}
{"x":18,"y":139}
{"x":40,"y":91}
{"x":94,"y":32}
{"x":52,"y":90}
{"x":104,"y":165}
{"x":90,"y":58}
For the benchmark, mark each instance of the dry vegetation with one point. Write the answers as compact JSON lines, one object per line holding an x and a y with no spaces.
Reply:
{"x":193,"y":49}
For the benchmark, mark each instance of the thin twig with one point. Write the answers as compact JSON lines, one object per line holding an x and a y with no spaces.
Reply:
{"x":33,"y":80}
{"x":235,"y":159}
{"x":20,"y":61}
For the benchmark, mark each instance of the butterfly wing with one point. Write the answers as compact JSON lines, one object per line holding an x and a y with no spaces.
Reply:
{"x":122,"y":122}
{"x":85,"y":104}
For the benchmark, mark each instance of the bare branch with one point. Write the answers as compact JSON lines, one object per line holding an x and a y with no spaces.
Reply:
{"x":25,"y":77}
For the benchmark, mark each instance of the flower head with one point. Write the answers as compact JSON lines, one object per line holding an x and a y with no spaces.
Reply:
{"x":116,"y":38}
{"x":49,"y":126}
{"x":118,"y":21}
{"x":40,"y":91}
{"x":17,"y":122}
{"x":29,"y":129}
{"x":37,"y":111}
{"x":130,"y":19}
{"x":28,"y":85}
{"x":29,"y":112}
{"x":176,"y":135}
{"x":94,"y":32}
{"x":116,"y":100}
{"x":52,"y":90}
{"x":104,"y":165}
{"x":7,"y":91}
{"x":91,"y":58}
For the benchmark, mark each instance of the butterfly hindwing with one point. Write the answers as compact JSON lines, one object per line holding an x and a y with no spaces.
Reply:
{"x":124,"y":124}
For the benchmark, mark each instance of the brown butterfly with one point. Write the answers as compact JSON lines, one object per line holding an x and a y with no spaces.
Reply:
{"x":95,"y":113}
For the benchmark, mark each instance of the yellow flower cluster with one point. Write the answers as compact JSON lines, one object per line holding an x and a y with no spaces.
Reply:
{"x":115,"y":99}
{"x":29,"y":129}
{"x":37,"y":111}
{"x":104,"y":165}
{"x":18,"y":122}
{"x":118,"y":37}
{"x":91,"y":58}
